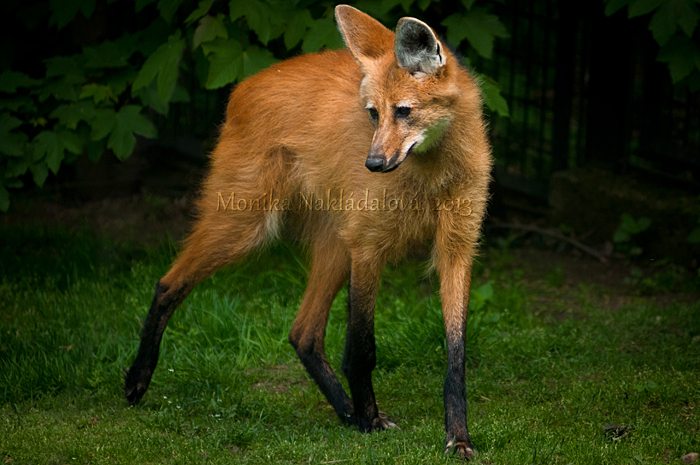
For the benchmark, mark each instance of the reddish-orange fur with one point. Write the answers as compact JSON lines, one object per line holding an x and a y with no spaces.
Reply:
{"x":301,"y":128}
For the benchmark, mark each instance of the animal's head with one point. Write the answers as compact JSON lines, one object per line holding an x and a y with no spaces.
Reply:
{"x":409,"y":87}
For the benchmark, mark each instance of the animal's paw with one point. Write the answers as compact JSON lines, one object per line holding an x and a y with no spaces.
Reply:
{"x":134,"y":385}
{"x":380,"y":423}
{"x":384,"y":422}
{"x":347,"y":414}
{"x":461,"y":449}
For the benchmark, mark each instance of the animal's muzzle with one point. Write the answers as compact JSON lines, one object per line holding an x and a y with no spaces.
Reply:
{"x":375,"y":164}
{"x":380,"y":164}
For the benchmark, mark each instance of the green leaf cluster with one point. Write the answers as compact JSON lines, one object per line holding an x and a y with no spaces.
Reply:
{"x":478,"y":27}
{"x":674,"y":25}
{"x":491,"y":93}
{"x":625,"y":233}
{"x":97,"y":96}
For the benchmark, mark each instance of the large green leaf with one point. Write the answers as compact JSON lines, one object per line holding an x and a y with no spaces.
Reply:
{"x":671,"y":15}
{"x":69,"y":115}
{"x":478,"y":27}
{"x":98,"y":92}
{"x":11,"y":80}
{"x":209,"y":28}
{"x":39,"y":172}
{"x":201,"y":10}
{"x":642,"y":7}
{"x":296,"y":28}
{"x":256,"y":59}
{"x":141,"y":4}
{"x":267,"y":21}
{"x":387,"y":5}
{"x":322,"y":33}
{"x":64,"y":11}
{"x":168,"y":8}
{"x":51,"y":146}
{"x":150,"y":98}
{"x":102,"y":123}
{"x":119,"y":80}
{"x":65,"y":66}
{"x":129,"y":120}
{"x":224,"y":62}
{"x":152,"y":37}
{"x":228,"y":62}
{"x":663,"y":25}
{"x":17,"y":166}
{"x":66,"y":88}
{"x":682,"y":55}
{"x":70,"y":141}
{"x":612,"y":6}
{"x":111,"y":54}
{"x":163,"y":63}
{"x":491,"y":92}
{"x":258,"y":14}
{"x":16,"y":104}
{"x":11,"y":143}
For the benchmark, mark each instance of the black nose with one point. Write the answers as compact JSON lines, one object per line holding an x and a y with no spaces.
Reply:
{"x":375,"y":164}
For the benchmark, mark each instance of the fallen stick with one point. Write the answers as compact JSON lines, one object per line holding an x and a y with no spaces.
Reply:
{"x":556,"y":235}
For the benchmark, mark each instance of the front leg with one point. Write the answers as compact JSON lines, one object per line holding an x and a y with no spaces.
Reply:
{"x":360,"y":358}
{"x":455,"y":278}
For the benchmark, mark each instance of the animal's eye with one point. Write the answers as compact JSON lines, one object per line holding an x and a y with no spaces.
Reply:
{"x":402,"y":112}
{"x":373,"y":113}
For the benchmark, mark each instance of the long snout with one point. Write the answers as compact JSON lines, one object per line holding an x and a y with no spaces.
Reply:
{"x":385,"y":157}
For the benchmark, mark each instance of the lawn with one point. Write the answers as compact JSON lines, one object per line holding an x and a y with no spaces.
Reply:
{"x":553,"y":356}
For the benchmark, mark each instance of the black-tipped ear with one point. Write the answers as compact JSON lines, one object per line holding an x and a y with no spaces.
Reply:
{"x":366,"y":38}
{"x":416,"y":48}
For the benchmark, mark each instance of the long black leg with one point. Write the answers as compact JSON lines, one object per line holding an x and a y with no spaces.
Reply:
{"x":360,"y":348}
{"x":138,"y":377}
{"x":454,"y":289}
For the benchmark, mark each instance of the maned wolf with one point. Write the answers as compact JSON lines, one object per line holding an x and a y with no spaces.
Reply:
{"x":363,"y":155}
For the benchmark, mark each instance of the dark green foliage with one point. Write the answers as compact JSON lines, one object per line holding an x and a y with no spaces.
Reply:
{"x":624,"y":237}
{"x":85,"y":96}
{"x":674,"y":27}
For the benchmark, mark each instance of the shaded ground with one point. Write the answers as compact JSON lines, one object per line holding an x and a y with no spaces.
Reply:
{"x":144,"y":219}
{"x":148,"y":219}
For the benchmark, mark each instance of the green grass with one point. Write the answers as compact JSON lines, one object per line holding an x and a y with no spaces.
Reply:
{"x":548,"y":364}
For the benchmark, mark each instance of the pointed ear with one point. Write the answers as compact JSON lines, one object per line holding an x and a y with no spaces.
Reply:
{"x":416,"y":47}
{"x":366,"y":38}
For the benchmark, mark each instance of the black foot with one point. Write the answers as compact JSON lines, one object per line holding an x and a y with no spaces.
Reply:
{"x":348,"y":417}
{"x":135,"y":385}
{"x":380,"y":423}
{"x":461,"y":449}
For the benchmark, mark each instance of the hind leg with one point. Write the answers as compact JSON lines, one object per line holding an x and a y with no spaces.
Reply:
{"x":218,"y":239}
{"x":330,"y":266}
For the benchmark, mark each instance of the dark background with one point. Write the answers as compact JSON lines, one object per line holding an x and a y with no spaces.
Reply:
{"x":596,"y":128}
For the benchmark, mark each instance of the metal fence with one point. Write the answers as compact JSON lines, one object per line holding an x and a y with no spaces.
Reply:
{"x":586,"y":90}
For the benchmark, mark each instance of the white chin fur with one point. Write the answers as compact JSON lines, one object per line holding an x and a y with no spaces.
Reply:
{"x":418,"y":140}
